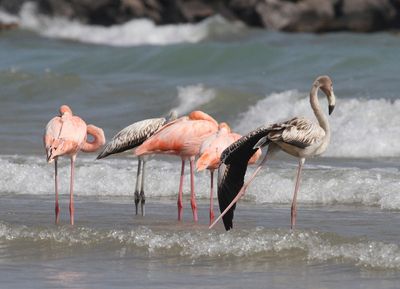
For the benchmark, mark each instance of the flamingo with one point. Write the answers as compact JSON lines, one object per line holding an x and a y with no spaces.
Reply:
{"x":210,"y":153}
{"x":299,"y":137}
{"x":130,"y":137}
{"x":183,"y":138}
{"x":66,"y":134}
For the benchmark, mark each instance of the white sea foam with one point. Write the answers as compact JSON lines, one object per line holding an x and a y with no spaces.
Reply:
{"x":134,"y":32}
{"x":8,"y":18}
{"x":117,"y":177}
{"x":193,"y":96}
{"x":360,"y":127}
{"x":309,"y":246}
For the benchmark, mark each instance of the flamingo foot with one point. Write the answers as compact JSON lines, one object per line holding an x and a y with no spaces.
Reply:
{"x":212,"y":216}
{"x":137,"y":199}
{"x":57,"y":211}
{"x":180,"y":210}
{"x":71,"y":213}
{"x":142,"y":203}
{"x":194,"y":210}
{"x":293,"y":214}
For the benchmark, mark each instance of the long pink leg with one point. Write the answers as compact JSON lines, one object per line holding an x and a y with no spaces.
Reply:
{"x":57,"y":207}
{"x":71,"y":191}
{"x":293,"y":211}
{"x":192,"y":193}
{"x":180,"y":193}
{"x":212,"y":197}
{"x":242,"y":190}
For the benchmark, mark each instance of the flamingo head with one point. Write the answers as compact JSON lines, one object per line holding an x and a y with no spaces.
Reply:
{"x":54,"y":150}
{"x":65,"y":109}
{"x":324,"y":82}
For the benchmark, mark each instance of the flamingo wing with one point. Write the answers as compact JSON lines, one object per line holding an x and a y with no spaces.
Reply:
{"x":299,"y":132}
{"x":132,"y":136}
{"x":233,"y":169}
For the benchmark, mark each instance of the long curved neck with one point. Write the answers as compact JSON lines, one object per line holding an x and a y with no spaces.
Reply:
{"x":319,"y":114}
{"x":98,"y":139}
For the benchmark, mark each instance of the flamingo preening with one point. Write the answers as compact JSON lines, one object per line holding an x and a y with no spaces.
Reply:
{"x":131,"y":137}
{"x":183,"y":138}
{"x":66,"y":134}
{"x":299,"y":137}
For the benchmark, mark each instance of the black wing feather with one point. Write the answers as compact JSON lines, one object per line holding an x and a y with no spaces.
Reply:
{"x":236,"y":157}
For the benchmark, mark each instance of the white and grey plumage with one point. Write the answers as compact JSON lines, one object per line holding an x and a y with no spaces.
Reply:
{"x":131,"y":137}
{"x":299,"y":137}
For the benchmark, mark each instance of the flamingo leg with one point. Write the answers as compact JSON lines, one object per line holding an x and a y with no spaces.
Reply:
{"x":243,"y":189}
{"x":293,"y":211}
{"x":192,"y":193}
{"x":180,"y":193}
{"x":142,"y":196}
{"x":138,"y":184}
{"x":57,"y":207}
{"x":212,"y":197}
{"x":71,"y":191}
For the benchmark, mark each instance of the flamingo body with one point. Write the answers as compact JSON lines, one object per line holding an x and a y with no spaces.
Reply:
{"x":131,"y":137}
{"x":210,"y":155}
{"x":182,"y":137}
{"x":66,"y":135}
{"x":299,"y":137}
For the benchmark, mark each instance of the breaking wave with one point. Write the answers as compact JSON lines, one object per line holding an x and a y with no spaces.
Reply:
{"x":132,"y":33}
{"x":309,"y":246}
{"x":117,"y":177}
{"x":360,"y":127}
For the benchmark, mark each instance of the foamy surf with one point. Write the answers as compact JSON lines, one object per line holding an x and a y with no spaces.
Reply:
{"x":306,"y":246}
{"x":116,"y":177}
{"x":360,"y":127}
{"x":192,"y":97}
{"x":132,"y":33}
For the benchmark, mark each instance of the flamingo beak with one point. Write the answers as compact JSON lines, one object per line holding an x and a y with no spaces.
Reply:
{"x":50,"y":157}
{"x":331,"y":108}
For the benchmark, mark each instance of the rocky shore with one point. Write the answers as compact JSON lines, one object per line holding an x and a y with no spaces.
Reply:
{"x":283,"y":15}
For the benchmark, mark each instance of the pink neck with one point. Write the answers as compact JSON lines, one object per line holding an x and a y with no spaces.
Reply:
{"x":98,"y":139}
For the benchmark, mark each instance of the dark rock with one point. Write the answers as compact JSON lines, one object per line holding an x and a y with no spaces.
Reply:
{"x":245,"y":10}
{"x":8,"y":26}
{"x":368,"y":15}
{"x":329,"y":15}
{"x":285,"y":15}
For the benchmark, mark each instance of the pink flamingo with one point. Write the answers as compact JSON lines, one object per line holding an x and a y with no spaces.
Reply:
{"x":183,"y":138}
{"x":66,"y":134}
{"x":210,"y":153}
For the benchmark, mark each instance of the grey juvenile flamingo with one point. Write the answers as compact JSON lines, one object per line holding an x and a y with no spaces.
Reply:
{"x":131,"y":137}
{"x":299,"y":137}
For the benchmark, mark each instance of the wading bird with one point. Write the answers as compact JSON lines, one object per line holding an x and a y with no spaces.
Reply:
{"x":66,"y":134}
{"x":299,"y":137}
{"x":183,"y":138}
{"x":210,"y":154}
{"x":131,"y":137}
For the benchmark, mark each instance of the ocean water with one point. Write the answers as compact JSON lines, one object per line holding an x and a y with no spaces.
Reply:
{"x":349,"y":202}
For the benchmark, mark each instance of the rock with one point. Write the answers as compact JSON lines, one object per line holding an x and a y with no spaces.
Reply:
{"x":245,"y":10}
{"x":8,"y":26}
{"x":282,"y":15}
{"x":329,"y":15}
{"x":367,"y":15}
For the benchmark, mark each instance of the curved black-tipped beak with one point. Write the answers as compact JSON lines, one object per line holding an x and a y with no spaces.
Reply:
{"x":331,"y":108}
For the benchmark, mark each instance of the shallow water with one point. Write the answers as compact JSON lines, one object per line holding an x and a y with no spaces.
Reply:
{"x":347,"y":234}
{"x":109,"y":247}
